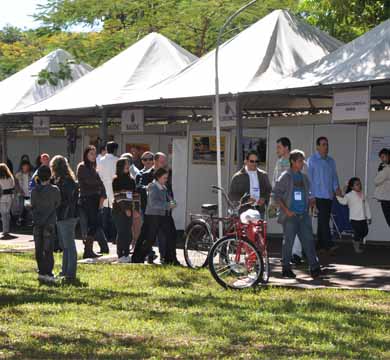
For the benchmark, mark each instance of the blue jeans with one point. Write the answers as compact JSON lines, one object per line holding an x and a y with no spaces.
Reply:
{"x":299,"y":225}
{"x":66,"y":236}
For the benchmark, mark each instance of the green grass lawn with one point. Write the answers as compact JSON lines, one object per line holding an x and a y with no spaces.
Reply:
{"x":135,"y":311}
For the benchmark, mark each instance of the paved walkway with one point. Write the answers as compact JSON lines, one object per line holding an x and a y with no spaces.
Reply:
{"x":337,"y":273}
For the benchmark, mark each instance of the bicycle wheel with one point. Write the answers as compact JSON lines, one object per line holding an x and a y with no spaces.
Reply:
{"x":235,"y":263}
{"x":197,"y":245}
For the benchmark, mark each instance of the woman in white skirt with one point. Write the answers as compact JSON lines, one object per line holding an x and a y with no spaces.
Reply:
{"x":7,"y":185}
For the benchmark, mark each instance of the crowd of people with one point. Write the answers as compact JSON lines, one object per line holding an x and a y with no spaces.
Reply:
{"x":130,"y":204}
{"x":301,"y":189}
{"x":112,"y":199}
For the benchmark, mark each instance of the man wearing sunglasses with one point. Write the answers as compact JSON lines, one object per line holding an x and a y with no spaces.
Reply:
{"x":145,"y":177}
{"x":253,"y":181}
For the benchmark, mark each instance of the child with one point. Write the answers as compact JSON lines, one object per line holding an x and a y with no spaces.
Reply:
{"x":7,"y":185}
{"x":359,"y":211}
{"x":45,"y":198}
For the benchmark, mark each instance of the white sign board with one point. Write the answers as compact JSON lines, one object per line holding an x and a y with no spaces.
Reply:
{"x":351,"y":105}
{"x":377,"y":144}
{"x":132,"y":121}
{"x":41,"y":126}
{"x":227,"y":113}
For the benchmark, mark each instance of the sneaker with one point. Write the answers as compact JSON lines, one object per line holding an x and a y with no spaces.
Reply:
{"x":332,"y":250}
{"x":315,"y":273}
{"x":297,"y":260}
{"x":124,"y":260}
{"x":288,"y":273}
{"x":357,"y":247}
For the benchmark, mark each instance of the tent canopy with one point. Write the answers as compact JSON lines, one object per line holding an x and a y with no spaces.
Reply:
{"x":364,"y":60}
{"x":22,"y":89}
{"x":273,"y":47}
{"x":146,"y":62}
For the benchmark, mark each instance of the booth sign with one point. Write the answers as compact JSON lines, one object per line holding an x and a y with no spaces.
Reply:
{"x":351,"y":105}
{"x":41,"y":126}
{"x":132,"y":121}
{"x":227,"y":113}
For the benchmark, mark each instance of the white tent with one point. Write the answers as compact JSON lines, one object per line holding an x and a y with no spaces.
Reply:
{"x":146,"y":62}
{"x":22,"y":89}
{"x":366,"y":59}
{"x":273,"y":47}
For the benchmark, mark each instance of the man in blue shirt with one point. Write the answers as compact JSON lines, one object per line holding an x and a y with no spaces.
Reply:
{"x":324,"y":185}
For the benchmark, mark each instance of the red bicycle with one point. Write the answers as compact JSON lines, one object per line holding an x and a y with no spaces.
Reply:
{"x":240,"y":259}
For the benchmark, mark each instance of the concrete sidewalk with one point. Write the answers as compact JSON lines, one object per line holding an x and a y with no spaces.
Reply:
{"x":336,"y":274}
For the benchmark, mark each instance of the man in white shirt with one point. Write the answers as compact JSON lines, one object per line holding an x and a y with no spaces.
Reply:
{"x":107,"y":169}
{"x":102,"y":152}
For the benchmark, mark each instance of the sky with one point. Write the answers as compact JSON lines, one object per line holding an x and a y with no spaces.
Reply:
{"x":18,"y":13}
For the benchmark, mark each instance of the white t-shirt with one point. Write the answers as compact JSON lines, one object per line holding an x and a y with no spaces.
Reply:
{"x":254,"y":184}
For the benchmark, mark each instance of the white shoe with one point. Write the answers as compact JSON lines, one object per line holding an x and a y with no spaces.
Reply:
{"x":124,"y":260}
{"x":47,"y":278}
{"x":357,"y":247}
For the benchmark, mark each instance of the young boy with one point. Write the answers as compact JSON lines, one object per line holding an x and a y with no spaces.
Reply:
{"x":292,"y":194}
{"x":45,"y":198}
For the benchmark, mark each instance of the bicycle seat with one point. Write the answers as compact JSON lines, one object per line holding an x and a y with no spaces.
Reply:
{"x":210,"y":207}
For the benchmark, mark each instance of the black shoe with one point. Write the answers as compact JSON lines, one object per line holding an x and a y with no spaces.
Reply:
{"x":150,"y":259}
{"x":288,"y":273}
{"x":315,"y":273}
{"x":297,"y":260}
{"x":91,"y":255}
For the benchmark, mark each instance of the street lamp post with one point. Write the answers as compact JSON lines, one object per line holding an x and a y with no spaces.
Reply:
{"x":217,"y":112}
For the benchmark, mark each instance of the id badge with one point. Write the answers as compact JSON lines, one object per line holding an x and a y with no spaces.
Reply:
{"x":129,"y":195}
{"x":298,"y":195}
{"x":256,"y":193}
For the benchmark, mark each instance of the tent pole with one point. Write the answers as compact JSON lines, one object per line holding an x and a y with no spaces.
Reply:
{"x":368,"y":142}
{"x":4,"y":145}
{"x":104,"y":126}
{"x":239,"y":135}
{"x":217,"y":120}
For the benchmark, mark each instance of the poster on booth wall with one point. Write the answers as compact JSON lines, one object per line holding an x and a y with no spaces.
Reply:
{"x":41,"y":126}
{"x":253,"y":143}
{"x":204,"y":149}
{"x":377,"y":144}
{"x":132,"y":121}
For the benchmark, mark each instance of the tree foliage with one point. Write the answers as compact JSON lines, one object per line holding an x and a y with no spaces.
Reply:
{"x":345,"y":20}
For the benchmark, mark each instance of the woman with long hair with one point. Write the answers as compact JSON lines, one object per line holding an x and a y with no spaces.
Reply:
{"x":123,"y":208}
{"x":92,"y":195}
{"x":7,"y":185}
{"x":65,"y":180}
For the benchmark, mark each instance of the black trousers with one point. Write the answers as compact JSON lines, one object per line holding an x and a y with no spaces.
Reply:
{"x":90,"y":212}
{"x":124,"y":234}
{"x":324,"y":207}
{"x":386,"y":210}
{"x":44,"y":248}
{"x":360,"y":229}
{"x":164,"y":226}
